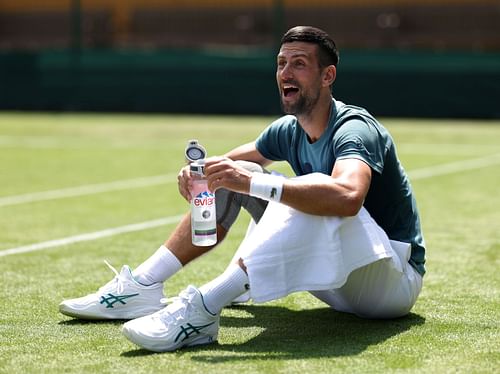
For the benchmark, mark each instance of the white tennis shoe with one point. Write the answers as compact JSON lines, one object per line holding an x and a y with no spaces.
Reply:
{"x":121,"y":298}
{"x":184,"y":323}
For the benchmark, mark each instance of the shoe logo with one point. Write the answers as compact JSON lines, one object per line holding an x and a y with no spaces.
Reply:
{"x":111,"y":299}
{"x":188,"y":330}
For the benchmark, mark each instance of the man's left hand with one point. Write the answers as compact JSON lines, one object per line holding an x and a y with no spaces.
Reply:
{"x":222,"y":172}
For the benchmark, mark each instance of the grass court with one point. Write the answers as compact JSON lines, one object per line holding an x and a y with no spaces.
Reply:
{"x":77,"y":189}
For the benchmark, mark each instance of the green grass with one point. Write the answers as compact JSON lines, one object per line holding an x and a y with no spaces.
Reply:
{"x":454,"y":327}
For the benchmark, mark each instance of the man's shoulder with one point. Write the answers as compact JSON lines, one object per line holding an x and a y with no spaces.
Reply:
{"x":286,"y":120}
{"x":357,"y":118}
{"x":346,"y":112}
{"x":283,"y":126}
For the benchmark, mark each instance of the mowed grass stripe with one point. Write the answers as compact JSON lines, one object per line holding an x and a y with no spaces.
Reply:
{"x":454,"y":167}
{"x":417,"y":174}
{"x":154,"y":180}
{"x":89,"y":189}
{"x":92,"y":235}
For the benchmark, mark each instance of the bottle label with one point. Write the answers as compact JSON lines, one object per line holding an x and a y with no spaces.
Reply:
{"x":209,"y":232}
{"x":206,"y":198}
{"x":204,"y":206}
{"x":203,"y":214}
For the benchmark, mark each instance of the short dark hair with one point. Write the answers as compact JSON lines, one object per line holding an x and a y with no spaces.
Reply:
{"x":328,"y":53}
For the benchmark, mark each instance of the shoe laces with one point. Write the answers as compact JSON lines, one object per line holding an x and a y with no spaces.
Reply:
{"x":116,"y":283}
{"x":178,"y":307}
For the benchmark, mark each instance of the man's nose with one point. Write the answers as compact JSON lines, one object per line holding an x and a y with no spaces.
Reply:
{"x":285,"y":73}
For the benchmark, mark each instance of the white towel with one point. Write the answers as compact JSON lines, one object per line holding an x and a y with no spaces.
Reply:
{"x":290,"y":251}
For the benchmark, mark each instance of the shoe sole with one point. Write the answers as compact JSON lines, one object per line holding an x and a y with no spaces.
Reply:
{"x":64,"y":309}
{"x":138,"y":340}
{"x":70,"y":313}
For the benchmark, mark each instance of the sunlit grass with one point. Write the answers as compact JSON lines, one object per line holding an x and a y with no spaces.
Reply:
{"x":454,"y":327}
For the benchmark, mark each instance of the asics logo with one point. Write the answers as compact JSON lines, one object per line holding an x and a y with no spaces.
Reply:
{"x":188,"y":329}
{"x":111,"y":299}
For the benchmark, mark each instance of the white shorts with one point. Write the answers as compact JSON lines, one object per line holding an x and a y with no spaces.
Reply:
{"x":377,"y":290}
{"x":349,"y":263}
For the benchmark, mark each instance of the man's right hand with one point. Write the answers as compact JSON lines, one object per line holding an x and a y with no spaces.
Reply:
{"x":184,"y":182}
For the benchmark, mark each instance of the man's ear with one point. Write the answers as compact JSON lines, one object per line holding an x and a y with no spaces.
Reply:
{"x":329,"y":75}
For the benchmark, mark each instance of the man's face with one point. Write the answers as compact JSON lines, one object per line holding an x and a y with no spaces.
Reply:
{"x":299,"y":77}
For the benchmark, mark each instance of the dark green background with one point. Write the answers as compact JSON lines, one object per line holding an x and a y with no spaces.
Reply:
{"x":387,"y":83}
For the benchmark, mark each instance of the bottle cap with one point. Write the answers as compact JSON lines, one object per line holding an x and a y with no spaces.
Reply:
{"x":198,"y":167}
{"x":194,"y":151}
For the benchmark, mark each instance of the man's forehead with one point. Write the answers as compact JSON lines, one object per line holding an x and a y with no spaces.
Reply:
{"x":293,"y":49}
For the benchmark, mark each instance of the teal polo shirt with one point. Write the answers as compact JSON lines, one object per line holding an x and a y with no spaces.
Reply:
{"x":353,"y":133}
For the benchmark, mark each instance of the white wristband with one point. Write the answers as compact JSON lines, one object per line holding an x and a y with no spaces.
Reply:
{"x":266,"y":186}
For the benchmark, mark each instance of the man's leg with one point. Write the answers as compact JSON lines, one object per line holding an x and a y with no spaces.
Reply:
{"x":377,"y":290}
{"x":177,"y":251}
{"x":192,"y":318}
{"x":221,"y":291}
{"x":288,"y":251}
{"x":128,"y":295}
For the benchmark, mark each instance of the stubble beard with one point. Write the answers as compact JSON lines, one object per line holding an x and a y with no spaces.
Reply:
{"x":303,"y":106}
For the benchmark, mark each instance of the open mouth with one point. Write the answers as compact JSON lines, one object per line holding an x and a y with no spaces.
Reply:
{"x":289,"y":90}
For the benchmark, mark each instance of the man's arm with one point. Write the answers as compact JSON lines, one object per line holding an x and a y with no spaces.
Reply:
{"x":247,"y":152}
{"x":341,"y":194}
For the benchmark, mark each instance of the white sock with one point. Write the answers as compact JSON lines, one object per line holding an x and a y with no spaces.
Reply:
{"x":158,"y":268}
{"x":225,"y":288}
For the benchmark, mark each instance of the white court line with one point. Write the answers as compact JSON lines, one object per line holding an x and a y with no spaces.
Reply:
{"x":88,"y":189}
{"x":431,"y":171}
{"x":446,"y":149}
{"x":125,"y":184}
{"x":454,"y":167}
{"x":92,"y":235}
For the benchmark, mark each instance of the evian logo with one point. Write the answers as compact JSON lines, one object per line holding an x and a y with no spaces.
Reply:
{"x":204,"y":199}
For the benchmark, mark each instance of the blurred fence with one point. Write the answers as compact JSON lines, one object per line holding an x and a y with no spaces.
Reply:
{"x":218,"y":56}
{"x":430,"y":24}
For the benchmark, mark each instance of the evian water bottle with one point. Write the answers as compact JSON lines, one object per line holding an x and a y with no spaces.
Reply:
{"x":203,"y":219}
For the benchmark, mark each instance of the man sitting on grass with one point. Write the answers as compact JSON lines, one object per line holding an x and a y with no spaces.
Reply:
{"x":346,"y":228}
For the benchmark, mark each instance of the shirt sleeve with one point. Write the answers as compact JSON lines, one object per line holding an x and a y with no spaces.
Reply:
{"x":358,"y":139}
{"x":274,"y":143}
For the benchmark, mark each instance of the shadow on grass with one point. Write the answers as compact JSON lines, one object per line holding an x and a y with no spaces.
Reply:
{"x":81,"y":322}
{"x":311,"y":333}
{"x":115,"y":322}
{"x":289,"y":334}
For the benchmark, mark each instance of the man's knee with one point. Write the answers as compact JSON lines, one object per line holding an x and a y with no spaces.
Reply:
{"x":229,"y":203}
{"x":250,"y":166}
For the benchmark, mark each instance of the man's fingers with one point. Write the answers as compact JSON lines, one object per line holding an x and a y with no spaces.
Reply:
{"x":184,"y":183}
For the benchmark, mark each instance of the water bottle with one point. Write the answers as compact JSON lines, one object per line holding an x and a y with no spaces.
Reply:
{"x":203,"y":218}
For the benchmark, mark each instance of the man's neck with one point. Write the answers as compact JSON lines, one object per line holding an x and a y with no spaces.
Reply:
{"x":315,"y":123}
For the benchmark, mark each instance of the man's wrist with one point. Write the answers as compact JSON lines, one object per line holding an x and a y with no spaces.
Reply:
{"x":266,"y":186}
